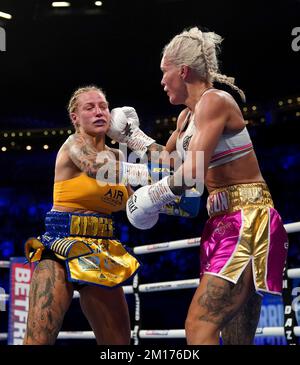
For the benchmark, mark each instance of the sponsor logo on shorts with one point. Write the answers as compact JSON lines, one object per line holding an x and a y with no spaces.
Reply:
{"x":89,"y":263}
{"x":251,"y":195}
{"x":222,"y":228}
{"x":218,"y":202}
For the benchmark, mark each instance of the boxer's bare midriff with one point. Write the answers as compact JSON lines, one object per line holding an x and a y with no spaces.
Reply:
{"x":241,"y":171}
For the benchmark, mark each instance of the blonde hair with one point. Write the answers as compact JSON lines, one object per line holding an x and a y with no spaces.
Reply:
{"x":198,"y":50}
{"x":73,"y":103}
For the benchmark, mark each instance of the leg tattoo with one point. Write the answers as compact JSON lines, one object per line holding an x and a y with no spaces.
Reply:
{"x":241,"y":329}
{"x":218,"y":300}
{"x":50,"y":297}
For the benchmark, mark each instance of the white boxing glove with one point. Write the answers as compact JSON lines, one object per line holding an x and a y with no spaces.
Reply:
{"x":144,"y":205}
{"x":124,"y":128}
{"x":138,"y":212}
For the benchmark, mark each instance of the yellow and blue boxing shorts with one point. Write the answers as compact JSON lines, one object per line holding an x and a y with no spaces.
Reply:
{"x":86,"y":244}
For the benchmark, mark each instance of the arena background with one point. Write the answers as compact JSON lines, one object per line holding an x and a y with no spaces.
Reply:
{"x":51,"y":51}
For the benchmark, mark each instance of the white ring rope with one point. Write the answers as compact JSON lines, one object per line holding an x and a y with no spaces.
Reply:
{"x":4,"y":264}
{"x":266,"y":331}
{"x":165,"y":286}
{"x":174,"y":333}
{"x":192,"y":242}
{"x":293,"y":273}
{"x":292,"y":227}
{"x":167,"y":246}
{"x":173,"y":245}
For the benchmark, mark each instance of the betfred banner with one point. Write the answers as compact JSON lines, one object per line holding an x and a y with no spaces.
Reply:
{"x":20,"y":277}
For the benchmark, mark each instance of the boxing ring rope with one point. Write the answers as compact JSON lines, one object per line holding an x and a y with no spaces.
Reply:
{"x":165,"y":286}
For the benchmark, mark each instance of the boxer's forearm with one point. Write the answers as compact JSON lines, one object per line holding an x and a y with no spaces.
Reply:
{"x":154,"y":152}
{"x":158,"y":154}
{"x":189,"y":175}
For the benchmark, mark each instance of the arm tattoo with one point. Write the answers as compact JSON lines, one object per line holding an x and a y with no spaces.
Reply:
{"x":84,"y":156}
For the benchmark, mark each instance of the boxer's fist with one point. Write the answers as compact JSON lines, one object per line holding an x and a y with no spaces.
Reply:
{"x":124,"y":128}
{"x":139,"y":209}
{"x":144,"y":205}
{"x":122,"y":124}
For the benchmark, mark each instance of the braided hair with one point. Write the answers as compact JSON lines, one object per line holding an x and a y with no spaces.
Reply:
{"x":198,"y":50}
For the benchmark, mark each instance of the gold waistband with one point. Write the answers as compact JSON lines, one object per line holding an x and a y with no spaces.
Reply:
{"x":91,"y":226}
{"x":232,"y":198}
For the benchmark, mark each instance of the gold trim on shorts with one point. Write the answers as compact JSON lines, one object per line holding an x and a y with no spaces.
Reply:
{"x":232,"y":198}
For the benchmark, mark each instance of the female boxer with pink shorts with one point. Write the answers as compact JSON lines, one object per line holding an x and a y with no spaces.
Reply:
{"x":244,"y":244}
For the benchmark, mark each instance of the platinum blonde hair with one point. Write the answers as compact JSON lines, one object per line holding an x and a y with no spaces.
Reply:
{"x":198,"y":50}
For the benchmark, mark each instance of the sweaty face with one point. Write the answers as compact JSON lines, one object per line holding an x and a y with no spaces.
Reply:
{"x":92,"y":115}
{"x":172,"y":81}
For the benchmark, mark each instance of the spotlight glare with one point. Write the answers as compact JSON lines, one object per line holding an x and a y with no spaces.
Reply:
{"x":3,"y":149}
{"x":28,"y":148}
{"x":98,"y":3}
{"x":5,"y":15}
{"x":60,"y":4}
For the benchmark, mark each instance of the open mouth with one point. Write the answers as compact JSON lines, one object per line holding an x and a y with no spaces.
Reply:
{"x":99,"y":122}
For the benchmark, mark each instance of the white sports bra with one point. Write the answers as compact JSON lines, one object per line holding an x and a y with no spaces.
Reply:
{"x":231,"y":146}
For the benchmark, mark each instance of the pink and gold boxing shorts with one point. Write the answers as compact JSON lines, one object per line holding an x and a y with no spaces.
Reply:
{"x":243,"y":227}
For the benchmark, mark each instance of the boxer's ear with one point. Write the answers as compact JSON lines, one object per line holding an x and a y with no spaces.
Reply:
{"x":75,"y":121}
{"x":184,"y":72}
